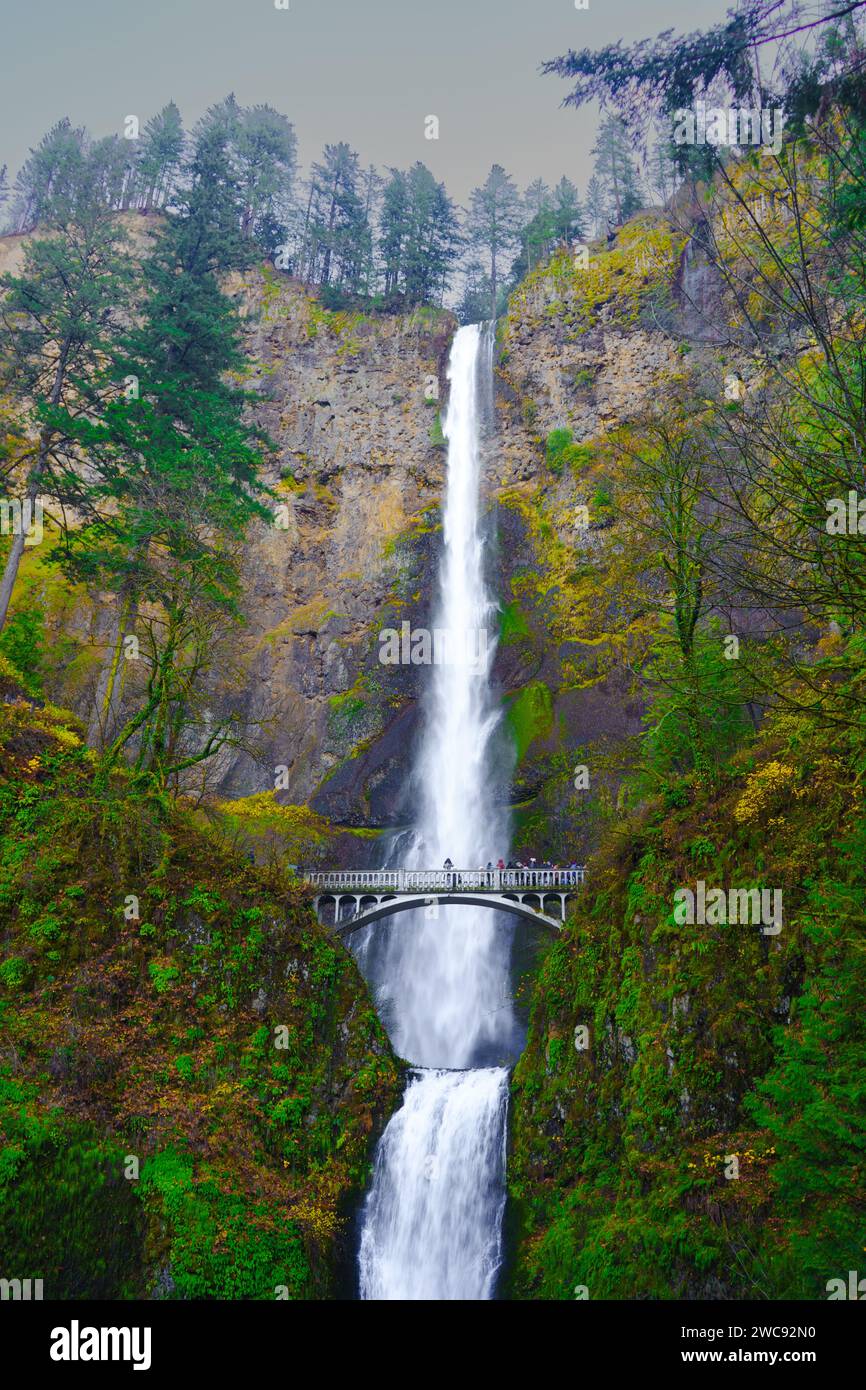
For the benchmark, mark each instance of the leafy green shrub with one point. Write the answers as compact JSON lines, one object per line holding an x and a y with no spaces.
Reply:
{"x":220,"y":1247}
{"x":557,"y":443}
{"x":22,"y":643}
{"x":561,"y":452}
{"x":163,"y":975}
{"x":14,"y":973}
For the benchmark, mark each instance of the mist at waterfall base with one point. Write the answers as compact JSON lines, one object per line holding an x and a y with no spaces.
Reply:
{"x":431,"y":1226}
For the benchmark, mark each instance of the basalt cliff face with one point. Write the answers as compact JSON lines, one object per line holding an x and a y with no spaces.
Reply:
{"x":354,"y":405}
{"x":586,"y":344}
{"x":351,"y":403}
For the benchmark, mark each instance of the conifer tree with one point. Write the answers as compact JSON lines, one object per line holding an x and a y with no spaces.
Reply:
{"x":53,"y":170}
{"x":261,"y":146}
{"x":568,"y":213}
{"x":337,"y":230}
{"x":615,"y":169}
{"x":419,"y":237}
{"x":493,"y":226}
{"x":57,"y":318}
{"x":176,"y":465}
{"x":474,"y":304}
{"x":595,"y":206}
{"x":394,"y":230}
{"x":537,"y":198}
{"x":162,"y":149}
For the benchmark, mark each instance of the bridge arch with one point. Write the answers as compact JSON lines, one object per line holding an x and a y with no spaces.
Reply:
{"x":390,"y":906}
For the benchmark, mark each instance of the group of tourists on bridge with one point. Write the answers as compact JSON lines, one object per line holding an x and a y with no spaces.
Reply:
{"x":531,"y":869}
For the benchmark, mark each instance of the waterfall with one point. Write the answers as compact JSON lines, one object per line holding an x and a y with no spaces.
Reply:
{"x":432,"y":1221}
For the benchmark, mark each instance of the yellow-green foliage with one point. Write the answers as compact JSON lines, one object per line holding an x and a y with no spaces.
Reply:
{"x":341,"y":324}
{"x":298,"y":829}
{"x":307,"y":617}
{"x":429,"y":319}
{"x":32,"y":733}
{"x":754,"y":214}
{"x":8,"y":672}
{"x":54,"y":609}
{"x":641,"y":264}
{"x":572,"y":567}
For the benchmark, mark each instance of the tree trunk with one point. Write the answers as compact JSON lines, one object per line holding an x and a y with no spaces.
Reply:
{"x":332,"y":217}
{"x":10,"y":574}
{"x":13,"y":561}
{"x":109,"y":690}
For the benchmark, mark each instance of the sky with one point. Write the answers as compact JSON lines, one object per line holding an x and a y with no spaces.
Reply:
{"x":365,"y":71}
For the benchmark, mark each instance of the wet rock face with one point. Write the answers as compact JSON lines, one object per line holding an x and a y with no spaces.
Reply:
{"x":350,"y":404}
{"x":550,"y":378}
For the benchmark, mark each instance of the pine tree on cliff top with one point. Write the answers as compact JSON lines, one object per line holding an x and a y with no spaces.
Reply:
{"x":177,"y":462}
{"x":616,"y":171}
{"x":495,"y":215}
{"x":58,"y":319}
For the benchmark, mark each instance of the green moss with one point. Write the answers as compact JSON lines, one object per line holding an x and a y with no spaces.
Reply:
{"x":220,"y":1245}
{"x":428,"y":318}
{"x":68,"y":1216}
{"x":513,"y":626}
{"x":557,"y":443}
{"x":340,"y":324}
{"x":562,"y":452}
{"x":346,"y":712}
{"x":530,"y":717}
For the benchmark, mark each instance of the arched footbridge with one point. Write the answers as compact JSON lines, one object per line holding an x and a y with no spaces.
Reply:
{"x":349,"y":899}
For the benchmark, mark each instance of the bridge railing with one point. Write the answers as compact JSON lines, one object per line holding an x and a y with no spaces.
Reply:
{"x":443,"y":880}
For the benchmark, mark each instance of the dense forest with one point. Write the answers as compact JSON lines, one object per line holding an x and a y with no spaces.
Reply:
{"x":680,"y":365}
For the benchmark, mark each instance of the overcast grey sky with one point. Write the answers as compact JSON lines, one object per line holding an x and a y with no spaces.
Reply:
{"x":364,"y":71}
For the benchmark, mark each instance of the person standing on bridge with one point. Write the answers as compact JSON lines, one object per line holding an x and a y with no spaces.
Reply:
{"x":448,"y":866}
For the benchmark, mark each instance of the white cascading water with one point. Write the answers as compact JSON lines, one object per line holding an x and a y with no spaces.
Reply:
{"x":431,"y":1227}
